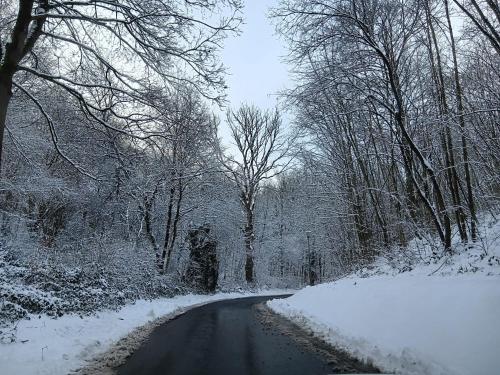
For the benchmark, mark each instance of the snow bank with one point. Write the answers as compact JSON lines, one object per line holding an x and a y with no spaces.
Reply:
{"x":411,"y":313}
{"x":408,"y":324}
{"x":47,"y":346}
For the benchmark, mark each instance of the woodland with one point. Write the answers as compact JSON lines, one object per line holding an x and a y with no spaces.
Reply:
{"x":116,"y":185}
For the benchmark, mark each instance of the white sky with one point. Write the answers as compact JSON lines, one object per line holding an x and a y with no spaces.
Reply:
{"x":254,"y":61}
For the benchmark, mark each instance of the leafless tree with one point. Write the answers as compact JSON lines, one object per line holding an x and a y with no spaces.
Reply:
{"x":485,"y":16}
{"x":381,"y":95}
{"x":123,"y":50}
{"x":262,"y":154}
{"x":191,"y":127}
{"x":180,"y":159}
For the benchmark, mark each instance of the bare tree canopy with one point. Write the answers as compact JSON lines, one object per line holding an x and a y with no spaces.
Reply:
{"x":374,"y":80}
{"x":485,"y":16}
{"x":262,"y":154}
{"x":113,"y":57}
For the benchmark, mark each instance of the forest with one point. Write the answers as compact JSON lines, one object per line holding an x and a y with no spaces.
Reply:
{"x":116,"y":184}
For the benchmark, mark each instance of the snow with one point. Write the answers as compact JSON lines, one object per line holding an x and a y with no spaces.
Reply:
{"x":447,"y":325}
{"x":438,"y":318}
{"x":46,"y":345}
{"x":441,"y":317}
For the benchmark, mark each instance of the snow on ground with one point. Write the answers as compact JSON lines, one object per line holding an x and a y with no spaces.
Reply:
{"x":48,"y":346}
{"x":442,"y":317}
{"x":410,"y":324}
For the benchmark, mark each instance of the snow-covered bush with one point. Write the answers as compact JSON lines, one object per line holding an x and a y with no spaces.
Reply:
{"x":43,"y":283}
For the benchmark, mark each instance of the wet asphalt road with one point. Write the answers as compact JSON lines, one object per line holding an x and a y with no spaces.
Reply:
{"x":222,"y":338}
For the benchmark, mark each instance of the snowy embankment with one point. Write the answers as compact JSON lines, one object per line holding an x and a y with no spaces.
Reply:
{"x":439,"y":318}
{"x":51,"y":346}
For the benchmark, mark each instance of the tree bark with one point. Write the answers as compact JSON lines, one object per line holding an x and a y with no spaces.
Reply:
{"x":461,"y":122}
{"x":249,"y":239}
{"x":21,"y":42}
{"x":5,"y":95}
{"x":173,"y":235}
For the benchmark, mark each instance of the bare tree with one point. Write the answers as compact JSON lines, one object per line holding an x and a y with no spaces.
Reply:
{"x":485,"y":16}
{"x":179,"y":158}
{"x":395,"y":104}
{"x":379,"y":39}
{"x":262,"y":154}
{"x":191,"y":128}
{"x":124,"y":50}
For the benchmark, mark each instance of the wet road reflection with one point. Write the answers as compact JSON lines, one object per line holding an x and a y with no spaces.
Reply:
{"x":222,"y":338}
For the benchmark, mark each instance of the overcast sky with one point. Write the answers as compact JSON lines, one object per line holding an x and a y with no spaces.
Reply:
{"x":253,"y":59}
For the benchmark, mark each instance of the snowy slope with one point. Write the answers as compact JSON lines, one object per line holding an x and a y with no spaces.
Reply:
{"x":47,"y":346}
{"x":446,"y":325}
{"x":439,"y":318}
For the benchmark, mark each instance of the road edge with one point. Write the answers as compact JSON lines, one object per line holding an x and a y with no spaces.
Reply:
{"x":341,"y":361}
{"x":107,"y":363}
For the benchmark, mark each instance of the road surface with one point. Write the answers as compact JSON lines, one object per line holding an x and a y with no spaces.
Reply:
{"x":227,"y":337}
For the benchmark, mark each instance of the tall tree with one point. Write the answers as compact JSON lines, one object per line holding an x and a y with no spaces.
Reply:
{"x":191,"y":129}
{"x":262,"y":151}
{"x":372,"y":43}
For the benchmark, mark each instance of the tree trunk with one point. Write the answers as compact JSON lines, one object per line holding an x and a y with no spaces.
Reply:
{"x":400,"y":117}
{"x":446,"y":138}
{"x":21,"y":42}
{"x":175,"y":225}
{"x":461,"y":121}
{"x":5,"y":95}
{"x":168,"y":226}
{"x":147,"y":207}
{"x":249,"y":237}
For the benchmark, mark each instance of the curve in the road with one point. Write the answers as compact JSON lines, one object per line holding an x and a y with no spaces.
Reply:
{"x":221,"y":338}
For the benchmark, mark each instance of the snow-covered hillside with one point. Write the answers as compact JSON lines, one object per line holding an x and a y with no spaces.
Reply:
{"x":442,"y":317}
